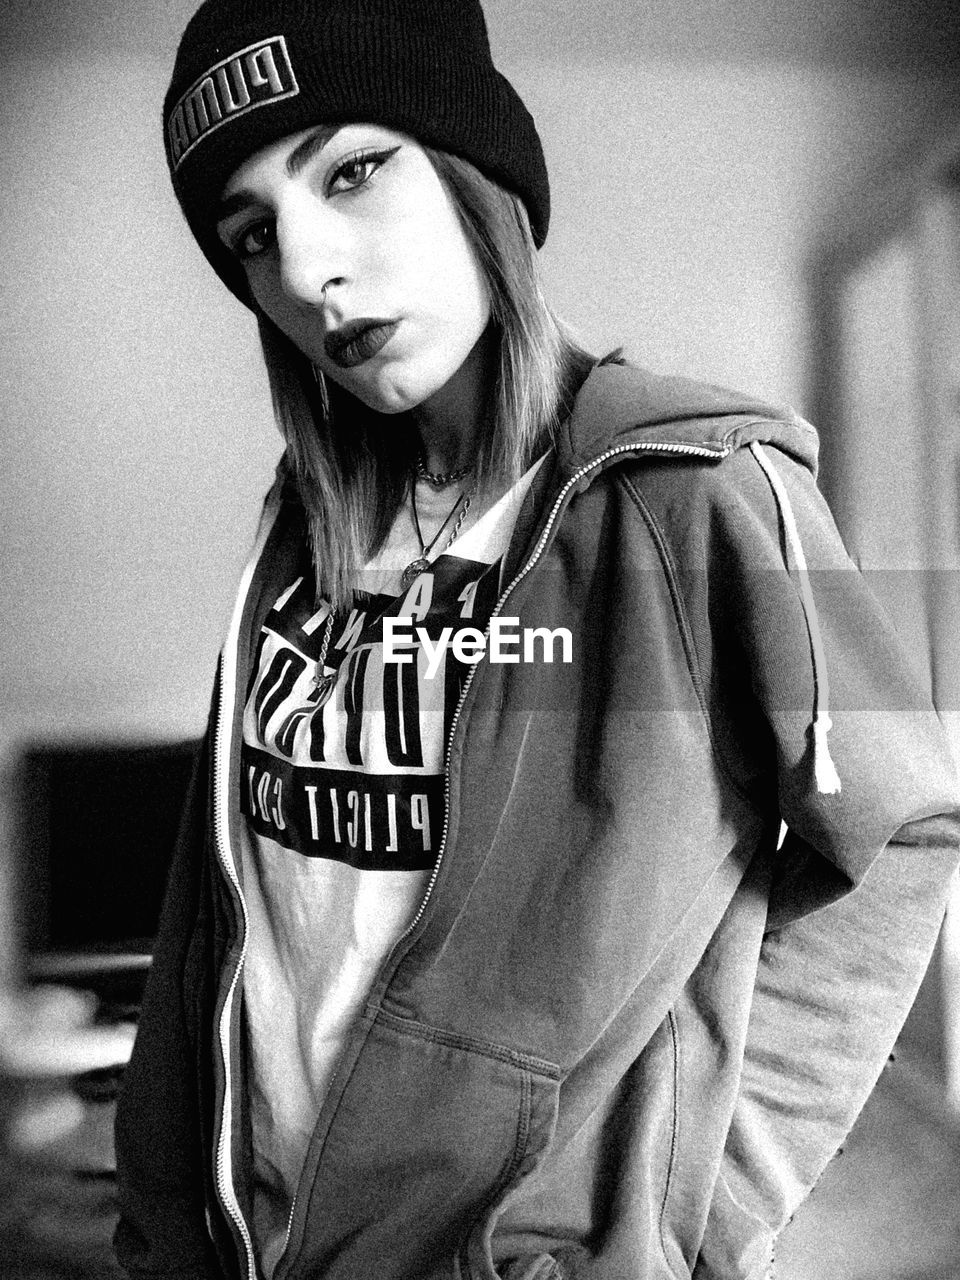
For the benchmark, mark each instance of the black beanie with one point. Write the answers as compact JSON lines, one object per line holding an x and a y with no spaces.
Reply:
{"x":249,"y":72}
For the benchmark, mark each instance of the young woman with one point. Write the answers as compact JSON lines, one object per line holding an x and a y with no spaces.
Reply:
{"x":481,"y":957}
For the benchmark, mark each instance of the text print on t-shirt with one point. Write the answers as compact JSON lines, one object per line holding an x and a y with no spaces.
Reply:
{"x":358,"y":778}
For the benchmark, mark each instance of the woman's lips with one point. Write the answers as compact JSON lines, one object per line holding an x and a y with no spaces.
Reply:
{"x":358,"y":341}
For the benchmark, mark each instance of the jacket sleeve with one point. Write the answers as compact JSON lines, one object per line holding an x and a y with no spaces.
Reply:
{"x":161,"y":1230}
{"x":863,"y":875}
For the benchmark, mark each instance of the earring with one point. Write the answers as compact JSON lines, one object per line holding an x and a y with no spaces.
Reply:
{"x":318,"y":376}
{"x":322,"y":388}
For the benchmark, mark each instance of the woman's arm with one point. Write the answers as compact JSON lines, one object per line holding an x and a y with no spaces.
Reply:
{"x":833,"y":989}
{"x":162,"y":1230}
{"x":836,"y":978}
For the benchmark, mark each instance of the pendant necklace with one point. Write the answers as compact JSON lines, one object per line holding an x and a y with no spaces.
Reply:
{"x":422,"y":562}
{"x":324,"y":681}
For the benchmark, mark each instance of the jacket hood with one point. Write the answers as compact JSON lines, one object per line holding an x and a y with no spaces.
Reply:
{"x":620,"y":407}
{"x":621,"y":404}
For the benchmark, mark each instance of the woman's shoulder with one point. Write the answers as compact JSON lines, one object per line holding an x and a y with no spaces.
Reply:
{"x":686,"y":448}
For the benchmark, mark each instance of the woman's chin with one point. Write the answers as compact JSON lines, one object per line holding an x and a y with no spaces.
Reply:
{"x":384,"y":396}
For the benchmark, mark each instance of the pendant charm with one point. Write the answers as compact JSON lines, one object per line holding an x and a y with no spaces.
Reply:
{"x":324,"y":685}
{"x":413,"y":571}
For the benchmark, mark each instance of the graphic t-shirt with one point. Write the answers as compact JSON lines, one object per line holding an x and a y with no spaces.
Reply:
{"x":344,"y":808}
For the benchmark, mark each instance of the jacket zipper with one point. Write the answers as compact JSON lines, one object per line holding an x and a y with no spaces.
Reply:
{"x":662,"y":447}
{"x":667,"y":447}
{"x":224,"y":1168}
{"x":221,"y":833}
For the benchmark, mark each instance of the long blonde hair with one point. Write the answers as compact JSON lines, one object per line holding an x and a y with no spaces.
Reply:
{"x":352,"y":465}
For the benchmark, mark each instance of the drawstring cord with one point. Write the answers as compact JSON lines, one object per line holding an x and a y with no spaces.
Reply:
{"x":824,"y":770}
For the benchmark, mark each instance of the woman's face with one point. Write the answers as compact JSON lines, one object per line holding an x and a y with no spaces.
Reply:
{"x":354,"y":249}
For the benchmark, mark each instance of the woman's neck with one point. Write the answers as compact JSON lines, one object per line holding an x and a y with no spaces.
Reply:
{"x":452,"y":422}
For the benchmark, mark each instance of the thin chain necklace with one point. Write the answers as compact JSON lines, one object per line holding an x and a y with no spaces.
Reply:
{"x":324,"y":681}
{"x":440,"y":479}
{"x":422,"y":562}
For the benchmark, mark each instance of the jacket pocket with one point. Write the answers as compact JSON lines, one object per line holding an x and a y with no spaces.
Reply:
{"x":543,"y":1266}
{"x":426,"y":1129}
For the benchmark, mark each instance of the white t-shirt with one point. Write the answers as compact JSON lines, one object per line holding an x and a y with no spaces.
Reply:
{"x":344,"y":811}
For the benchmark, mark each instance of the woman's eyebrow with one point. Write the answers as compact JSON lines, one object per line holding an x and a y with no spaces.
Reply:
{"x":233,"y":204}
{"x":308,"y":148}
{"x":300,"y":156}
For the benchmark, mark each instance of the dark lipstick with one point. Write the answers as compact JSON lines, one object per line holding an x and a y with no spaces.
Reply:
{"x":358,"y":341}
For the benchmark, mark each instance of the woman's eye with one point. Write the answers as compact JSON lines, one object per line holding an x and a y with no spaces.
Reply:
{"x":357,"y":169}
{"x":254,"y":239}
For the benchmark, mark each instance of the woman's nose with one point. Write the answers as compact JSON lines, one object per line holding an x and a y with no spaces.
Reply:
{"x":311,"y":255}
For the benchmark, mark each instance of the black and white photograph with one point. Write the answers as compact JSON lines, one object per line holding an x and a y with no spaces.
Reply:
{"x":480,"y":717}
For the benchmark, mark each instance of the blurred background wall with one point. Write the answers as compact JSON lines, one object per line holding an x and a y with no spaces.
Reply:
{"x":699,"y":152}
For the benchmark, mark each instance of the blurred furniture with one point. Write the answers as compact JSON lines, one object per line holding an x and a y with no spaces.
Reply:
{"x":91,"y":828}
{"x":97,"y":823}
